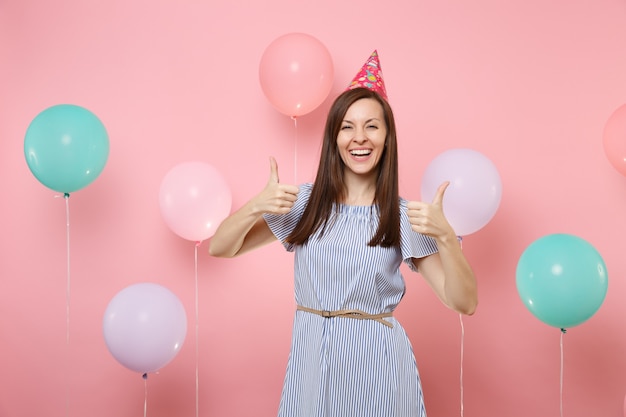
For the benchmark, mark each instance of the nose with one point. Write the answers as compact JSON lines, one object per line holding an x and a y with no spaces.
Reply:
{"x":359,"y":135}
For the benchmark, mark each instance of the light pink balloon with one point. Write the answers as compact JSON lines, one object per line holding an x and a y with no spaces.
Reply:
{"x":474,"y":193}
{"x":614,"y":139}
{"x":296,"y":73}
{"x":144,"y":327}
{"x":194,"y":199}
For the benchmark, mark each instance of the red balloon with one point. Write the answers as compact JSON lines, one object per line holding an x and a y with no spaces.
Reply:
{"x":614,"y":139}
{"x":296,"y":73}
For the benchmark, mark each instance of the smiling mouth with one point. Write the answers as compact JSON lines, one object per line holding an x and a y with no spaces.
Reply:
{"x":360,"y":152}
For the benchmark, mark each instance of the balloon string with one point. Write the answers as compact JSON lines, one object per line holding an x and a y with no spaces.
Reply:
{"x":462,"y":349}
{"x":460,"y":239}
{"x":197,"y":322}
{"x":66,"y":196}
{"x":563,"y":331}
{"x":145,"y":394}
{"x":295,"y":152}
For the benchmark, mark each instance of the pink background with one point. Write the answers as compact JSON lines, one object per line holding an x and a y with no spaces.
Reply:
{"x":529,"y":83}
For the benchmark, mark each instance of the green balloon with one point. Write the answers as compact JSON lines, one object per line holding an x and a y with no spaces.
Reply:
{"x":562,"y":280}
{"x":66,"y":147}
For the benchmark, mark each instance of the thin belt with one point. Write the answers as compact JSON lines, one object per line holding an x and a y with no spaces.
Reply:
{"x":353,"y":314}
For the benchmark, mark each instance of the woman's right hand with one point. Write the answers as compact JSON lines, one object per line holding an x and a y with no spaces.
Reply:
{"x":276,"y":198}
{"x":245,"y":229}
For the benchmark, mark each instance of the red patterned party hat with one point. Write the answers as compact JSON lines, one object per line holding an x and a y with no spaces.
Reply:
{"x":370,"y":76}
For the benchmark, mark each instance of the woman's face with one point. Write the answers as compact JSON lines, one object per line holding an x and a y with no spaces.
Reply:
{"x":361,"y":139}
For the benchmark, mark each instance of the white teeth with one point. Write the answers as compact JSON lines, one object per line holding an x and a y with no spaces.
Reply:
{"x":360,"y":152}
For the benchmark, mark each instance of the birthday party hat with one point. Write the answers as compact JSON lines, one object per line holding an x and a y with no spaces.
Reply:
{"x":370,"y":76}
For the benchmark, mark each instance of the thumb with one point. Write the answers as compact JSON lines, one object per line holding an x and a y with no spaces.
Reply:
{"x":438,"y":199}
{"x":273,"y":170}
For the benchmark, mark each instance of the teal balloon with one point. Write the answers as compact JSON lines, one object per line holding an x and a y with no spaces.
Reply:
{"x":562,"y":280}
{"x":66,"y":147}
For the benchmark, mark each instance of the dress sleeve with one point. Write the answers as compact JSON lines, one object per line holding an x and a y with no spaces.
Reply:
{"x":413,"y":244}
{"x":283,"y":224}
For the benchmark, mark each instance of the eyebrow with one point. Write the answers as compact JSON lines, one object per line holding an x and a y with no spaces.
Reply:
{"x":373,"y":119}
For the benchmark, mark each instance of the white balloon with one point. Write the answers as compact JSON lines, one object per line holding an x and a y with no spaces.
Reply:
{"x":473,"y":196}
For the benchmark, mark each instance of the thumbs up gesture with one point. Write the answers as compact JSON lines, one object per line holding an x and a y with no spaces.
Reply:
{"x":276,"y":198}
{"x":428,"y":218}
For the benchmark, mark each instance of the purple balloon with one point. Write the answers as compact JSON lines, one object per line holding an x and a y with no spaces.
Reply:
{"x":474,"y":193}
{"x":144,"y":327}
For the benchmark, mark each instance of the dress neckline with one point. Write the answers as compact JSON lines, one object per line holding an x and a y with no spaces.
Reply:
{"x":351,"y":209}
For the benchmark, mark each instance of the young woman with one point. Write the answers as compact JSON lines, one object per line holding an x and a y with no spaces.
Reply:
{"x":350,"y":231}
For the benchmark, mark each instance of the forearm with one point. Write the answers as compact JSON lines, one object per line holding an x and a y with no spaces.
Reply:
{"x":230,"y":236}
{"x":460,"y":288}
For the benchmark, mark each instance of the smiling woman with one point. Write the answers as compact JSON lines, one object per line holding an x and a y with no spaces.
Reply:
{"x":350,"y":233}
{"x":530,"y":84}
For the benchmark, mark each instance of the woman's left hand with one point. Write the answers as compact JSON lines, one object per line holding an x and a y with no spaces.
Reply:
{"x":428,"y":218}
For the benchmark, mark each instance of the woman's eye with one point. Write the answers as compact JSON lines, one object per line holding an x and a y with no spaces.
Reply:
{"x":346,"y":127}
{"x":372,"y":127}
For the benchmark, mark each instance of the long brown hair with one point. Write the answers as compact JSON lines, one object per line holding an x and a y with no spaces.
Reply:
{"x":329,"y":188}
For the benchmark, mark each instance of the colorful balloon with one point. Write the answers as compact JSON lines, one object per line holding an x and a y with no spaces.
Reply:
{"x":66,"y":147}
{"x":194,"y":199}
{"x":296,"y":73}
{"x":562,"y":280}
{"x":144,"y":327}
{"x":473,"y":196}
{"x":614,"y":139}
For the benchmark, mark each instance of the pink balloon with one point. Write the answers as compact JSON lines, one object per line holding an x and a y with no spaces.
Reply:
{"x":475,"y":189}
{"x":614,"y":139}
{"x":296,"y":73}
{"x":144,"y":327}
{"x":194,"y":199}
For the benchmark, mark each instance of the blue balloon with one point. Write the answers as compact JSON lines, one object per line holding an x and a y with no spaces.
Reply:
{"x":66,"y":147}
{"x":562,"y":280}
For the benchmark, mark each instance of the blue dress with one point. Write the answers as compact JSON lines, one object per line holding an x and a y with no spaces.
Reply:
{"x":341,"y":366}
